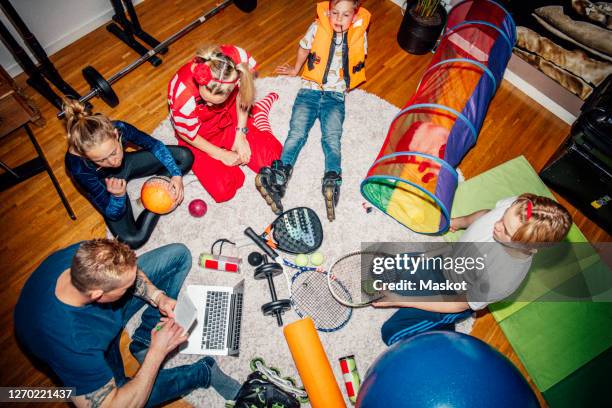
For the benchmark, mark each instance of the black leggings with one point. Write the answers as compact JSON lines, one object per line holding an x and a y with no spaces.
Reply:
{"x":136,"y":232}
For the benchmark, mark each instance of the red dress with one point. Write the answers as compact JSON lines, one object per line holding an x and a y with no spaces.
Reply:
{"x":192,"y":118}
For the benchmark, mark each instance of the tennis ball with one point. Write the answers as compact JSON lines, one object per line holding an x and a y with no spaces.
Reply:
{"x":367,"y":286}
{"x":301,"y":260}
{"x":317,"y":259}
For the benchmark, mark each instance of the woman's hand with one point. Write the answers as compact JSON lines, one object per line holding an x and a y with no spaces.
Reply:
{"x":177,"y":184}
{"x":116,"y":186}
{"x":242,"y":148}
{"x":229,"y":158}
{"x":286,"y":69}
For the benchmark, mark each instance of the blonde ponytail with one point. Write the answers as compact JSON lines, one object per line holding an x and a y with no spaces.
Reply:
{"x":85,"y":130}
{"x":247,"y":85}
{"x":74,"y":111}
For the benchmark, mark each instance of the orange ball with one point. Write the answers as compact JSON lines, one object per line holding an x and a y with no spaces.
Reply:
{"x":158,"y":195}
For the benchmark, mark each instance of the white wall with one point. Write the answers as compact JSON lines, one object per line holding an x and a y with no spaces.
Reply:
{"x":55,"y":23}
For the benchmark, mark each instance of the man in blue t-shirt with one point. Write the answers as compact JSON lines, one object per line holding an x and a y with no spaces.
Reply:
{"x":74,"y":306}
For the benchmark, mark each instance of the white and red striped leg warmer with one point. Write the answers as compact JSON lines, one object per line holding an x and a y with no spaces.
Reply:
{"x":261,"y":110}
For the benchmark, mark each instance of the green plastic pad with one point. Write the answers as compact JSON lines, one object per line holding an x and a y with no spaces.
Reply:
{"x":553,"y":339}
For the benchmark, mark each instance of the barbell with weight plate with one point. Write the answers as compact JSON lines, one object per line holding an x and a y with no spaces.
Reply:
{"x":102,"y":88}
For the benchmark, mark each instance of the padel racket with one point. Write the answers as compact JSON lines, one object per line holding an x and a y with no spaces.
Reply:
{"x":310,"y":297}
{"x":296,"y":231}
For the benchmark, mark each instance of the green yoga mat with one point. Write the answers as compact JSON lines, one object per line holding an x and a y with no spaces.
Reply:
{"x":552,"y":339}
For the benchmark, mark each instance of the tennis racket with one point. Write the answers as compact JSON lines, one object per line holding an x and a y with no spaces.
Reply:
{"x":296,"y":231}
{"x":356,"y":271}
{"x":310,"y":297}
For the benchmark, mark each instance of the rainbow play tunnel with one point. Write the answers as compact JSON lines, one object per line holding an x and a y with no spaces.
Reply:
{"x":413,"y":178}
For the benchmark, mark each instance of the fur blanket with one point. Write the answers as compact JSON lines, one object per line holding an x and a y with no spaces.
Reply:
{"x":586,"y":35}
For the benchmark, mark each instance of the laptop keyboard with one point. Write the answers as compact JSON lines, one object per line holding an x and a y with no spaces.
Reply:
{"x":237,"y":324}
{"x":215,"y":320}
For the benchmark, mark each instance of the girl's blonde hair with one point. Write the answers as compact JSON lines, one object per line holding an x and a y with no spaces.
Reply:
{"x":84,"y":129}
{"x":544,"y":220}
{"x":224,"y":69}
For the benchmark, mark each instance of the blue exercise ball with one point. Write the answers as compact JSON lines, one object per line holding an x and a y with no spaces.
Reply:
{"x":444,"y":369}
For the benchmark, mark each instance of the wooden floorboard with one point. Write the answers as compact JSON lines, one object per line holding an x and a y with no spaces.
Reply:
{"x":34,"y":223}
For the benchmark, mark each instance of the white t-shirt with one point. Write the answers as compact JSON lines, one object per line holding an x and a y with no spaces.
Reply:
{"x":481,"y":230}
{"x":335,"y":76}
{"x":503,"y":273}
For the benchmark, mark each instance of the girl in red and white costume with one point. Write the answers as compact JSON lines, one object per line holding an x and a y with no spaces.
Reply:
{"x":210,"y":98}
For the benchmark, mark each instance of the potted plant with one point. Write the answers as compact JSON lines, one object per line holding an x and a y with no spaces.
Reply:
{"x":421,"y":26}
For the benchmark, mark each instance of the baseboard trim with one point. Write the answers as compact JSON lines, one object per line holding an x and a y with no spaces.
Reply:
{"x":539,"y":97}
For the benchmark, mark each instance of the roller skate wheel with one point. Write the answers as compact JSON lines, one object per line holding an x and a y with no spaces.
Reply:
{"x":254,"y":362}
{"x":291,"y":381}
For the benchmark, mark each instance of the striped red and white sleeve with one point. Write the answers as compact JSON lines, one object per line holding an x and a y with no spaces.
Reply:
{"x":239,"y":56}
{"x":183,"y":107}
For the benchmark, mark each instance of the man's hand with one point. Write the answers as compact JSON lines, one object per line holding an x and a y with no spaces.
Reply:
{"x":230,"y":158}
{"x":116,"y":186}
{"x":242,"y":148}
{"x":166,"y":305}
{"x":177,"y":184}
{"x":286,"y":69}
{"x":167,"y":337}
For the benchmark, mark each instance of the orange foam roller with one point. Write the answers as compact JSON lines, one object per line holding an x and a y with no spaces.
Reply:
{"x":312,"y":365}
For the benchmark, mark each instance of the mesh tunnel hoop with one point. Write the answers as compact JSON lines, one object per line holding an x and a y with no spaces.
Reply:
{"x":413,"y":179}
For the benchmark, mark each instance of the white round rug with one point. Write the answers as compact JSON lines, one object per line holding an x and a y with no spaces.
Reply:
{"x":365,"y":127}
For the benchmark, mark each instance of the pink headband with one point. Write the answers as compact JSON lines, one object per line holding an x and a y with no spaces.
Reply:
{"x":203,"y":75}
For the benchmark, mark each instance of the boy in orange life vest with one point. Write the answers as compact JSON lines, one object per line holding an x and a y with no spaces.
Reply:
{"x":333,"y":52}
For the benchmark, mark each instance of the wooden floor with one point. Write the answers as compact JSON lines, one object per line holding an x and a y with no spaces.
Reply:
{"x":33,"y":222}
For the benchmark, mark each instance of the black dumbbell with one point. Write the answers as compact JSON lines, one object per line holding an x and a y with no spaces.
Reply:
{"x":268,"y":270}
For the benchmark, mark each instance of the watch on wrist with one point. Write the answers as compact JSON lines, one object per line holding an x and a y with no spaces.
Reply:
{"x":244,"y":130}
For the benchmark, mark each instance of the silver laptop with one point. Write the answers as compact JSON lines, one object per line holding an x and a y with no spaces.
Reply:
{"x":218,"y":320}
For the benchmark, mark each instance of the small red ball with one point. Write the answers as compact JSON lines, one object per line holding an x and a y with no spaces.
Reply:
{"x":197,"y":208}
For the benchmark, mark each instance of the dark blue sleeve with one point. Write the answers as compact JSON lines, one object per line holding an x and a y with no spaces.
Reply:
{"x":85,"y":176}
{"x":139,"y":138}
{"x":86,"y":372}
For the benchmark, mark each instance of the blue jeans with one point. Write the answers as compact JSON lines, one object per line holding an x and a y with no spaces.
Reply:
{"x":409,"y":321}
{"x":309,"y":105}
{"x":166,"y":268}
